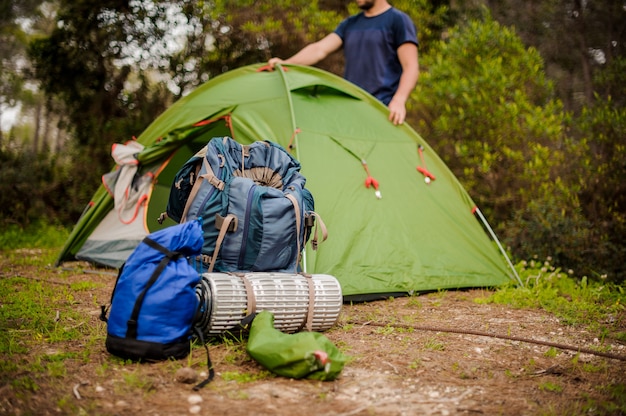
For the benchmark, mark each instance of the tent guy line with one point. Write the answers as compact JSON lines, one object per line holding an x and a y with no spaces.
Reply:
{"x":560,"y":346}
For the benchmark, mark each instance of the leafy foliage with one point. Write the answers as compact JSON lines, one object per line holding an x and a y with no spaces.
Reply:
{"x":43,"y":185}
{"x":224,"y":35}
{"x":601,"y":130}
{"x":489,"y":109}
{"x":84,"y":62}
{"x":583,"y":41}
{"x":13,"y":45}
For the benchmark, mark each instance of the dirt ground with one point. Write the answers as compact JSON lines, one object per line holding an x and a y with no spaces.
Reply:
{"x":421,"y":355}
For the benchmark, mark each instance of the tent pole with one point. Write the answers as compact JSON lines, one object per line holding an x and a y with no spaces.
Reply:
{"x":294,"y":127}
{"x":495,"y":238}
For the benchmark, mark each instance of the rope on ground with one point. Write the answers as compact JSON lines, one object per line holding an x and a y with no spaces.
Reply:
{"x":582,"y":350}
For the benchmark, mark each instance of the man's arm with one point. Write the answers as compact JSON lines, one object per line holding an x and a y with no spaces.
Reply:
{"x":313,"y":52}
{"x":407,"y":54}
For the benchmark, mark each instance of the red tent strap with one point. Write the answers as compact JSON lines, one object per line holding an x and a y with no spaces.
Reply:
{"x":423,"y":169}
{"x":268,"y":68}
{"x":226,"y":118}
{"x":370,"y":181}
{"x":293,"y":136}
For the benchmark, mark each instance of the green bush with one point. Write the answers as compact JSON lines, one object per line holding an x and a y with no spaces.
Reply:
{"x":487,"y":107}
{"x":40,"y":186}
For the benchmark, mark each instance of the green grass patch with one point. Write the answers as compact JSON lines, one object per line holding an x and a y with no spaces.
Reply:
{"x":594,"y":303}
{"x":550,"y":386}
{"x":433,"y":344}
{"x":245,"y":377}
{"x":138,"y":381}
{"x":551,"y":353}
{"x":37,"y":310}
{"x":37,"y":235}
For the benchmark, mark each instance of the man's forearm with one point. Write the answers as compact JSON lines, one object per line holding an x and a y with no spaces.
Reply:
{"x":407,"y":84}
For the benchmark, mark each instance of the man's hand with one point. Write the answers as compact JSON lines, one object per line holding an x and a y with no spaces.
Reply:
{"x":397,"y":112}
{"x":273,"y":61}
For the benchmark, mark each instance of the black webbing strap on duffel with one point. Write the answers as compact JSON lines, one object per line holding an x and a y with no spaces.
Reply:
{"x":169,"y":255}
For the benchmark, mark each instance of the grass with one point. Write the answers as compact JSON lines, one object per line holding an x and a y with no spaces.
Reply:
{"x":42,"y":311}
{"x":18,"y":244}
{"x":550,"y":386}
{"x":434,"y":344}
{"x":34,"y":306}
{"x":240,"y":377}
{"x":36,"y":235}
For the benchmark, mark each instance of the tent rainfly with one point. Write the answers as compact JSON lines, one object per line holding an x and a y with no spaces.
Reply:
{"x":399,"y":221}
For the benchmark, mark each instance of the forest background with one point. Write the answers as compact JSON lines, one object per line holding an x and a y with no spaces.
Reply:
{"x":525,"y":102}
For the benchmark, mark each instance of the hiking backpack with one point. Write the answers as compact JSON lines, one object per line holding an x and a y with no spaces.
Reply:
{"x":256,"y":211}
{"x":154,"y":304}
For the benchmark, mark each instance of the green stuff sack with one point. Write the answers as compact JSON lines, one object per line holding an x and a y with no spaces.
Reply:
{"x":301,"y":355}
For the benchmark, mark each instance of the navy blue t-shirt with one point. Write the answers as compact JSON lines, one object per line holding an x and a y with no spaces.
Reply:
{"x":370,"y":47}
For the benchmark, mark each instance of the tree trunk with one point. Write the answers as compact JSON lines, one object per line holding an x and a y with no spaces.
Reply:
{"x":37,"y":132}
{"x":581,"y":34}
{"x":1,"y":135}
{"x":46,"y":129}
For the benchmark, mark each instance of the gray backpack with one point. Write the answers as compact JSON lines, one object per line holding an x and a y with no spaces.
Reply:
{"x":257,"y":214}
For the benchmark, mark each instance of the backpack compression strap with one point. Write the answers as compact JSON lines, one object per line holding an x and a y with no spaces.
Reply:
{"x":296,"y":208}
{"x":224,"y":225}
{"x":131,"y":331}
{"x":324,"y":231}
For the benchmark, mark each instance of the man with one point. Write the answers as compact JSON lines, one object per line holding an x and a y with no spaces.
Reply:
{"x":380,"y":49}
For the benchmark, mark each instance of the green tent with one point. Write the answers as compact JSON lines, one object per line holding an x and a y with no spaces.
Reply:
{"x":398,"y":220}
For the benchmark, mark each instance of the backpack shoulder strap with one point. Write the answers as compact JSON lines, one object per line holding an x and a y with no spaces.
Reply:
{"x":209,"y":176}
